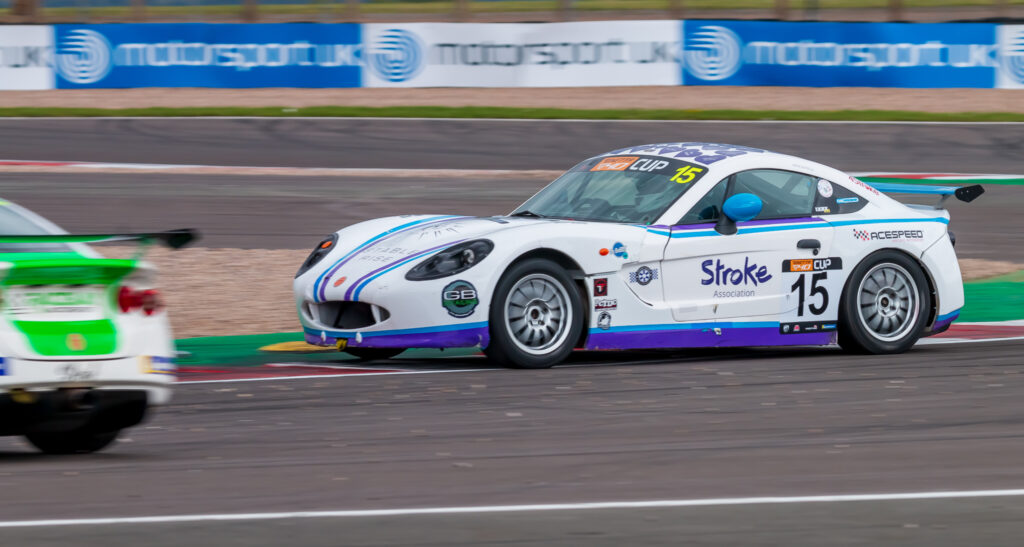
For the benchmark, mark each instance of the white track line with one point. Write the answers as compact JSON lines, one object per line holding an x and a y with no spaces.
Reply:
{"x":706,"y":502}
{"x":316,"y":376}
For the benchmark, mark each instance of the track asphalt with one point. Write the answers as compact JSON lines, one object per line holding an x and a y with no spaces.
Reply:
{"x":608,"y":427}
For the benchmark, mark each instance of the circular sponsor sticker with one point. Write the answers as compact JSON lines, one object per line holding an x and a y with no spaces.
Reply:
{"x":825,"y":188}
{"x":459,"y":298}
{"x":604,"y":321}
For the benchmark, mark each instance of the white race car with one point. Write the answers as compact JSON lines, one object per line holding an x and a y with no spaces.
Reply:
{"x":85,"y":344}
{"x":658,"y":246}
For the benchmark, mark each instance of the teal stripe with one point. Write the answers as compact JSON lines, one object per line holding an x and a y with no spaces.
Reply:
{"x":691,"y":326}
{"x":759,"y":229}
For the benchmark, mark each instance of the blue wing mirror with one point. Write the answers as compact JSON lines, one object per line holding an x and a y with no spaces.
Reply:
{"x":738,"y":208}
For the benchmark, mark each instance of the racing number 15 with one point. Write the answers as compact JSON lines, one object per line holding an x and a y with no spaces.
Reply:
{"x":686,"y":174}
{"x":815,"y":289}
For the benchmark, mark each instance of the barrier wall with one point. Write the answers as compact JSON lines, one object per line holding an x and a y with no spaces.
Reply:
{"x":602,"y":53}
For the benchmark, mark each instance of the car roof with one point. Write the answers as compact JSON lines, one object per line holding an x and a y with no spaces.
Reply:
{"x":706,"y":153}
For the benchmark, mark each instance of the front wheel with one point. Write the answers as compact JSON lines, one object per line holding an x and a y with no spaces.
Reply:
{"x":536,"y":316}
{"x":884,"y":305}
{"x":79,"y":441}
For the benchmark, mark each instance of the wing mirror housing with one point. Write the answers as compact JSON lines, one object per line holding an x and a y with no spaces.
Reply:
{"x":738,"y":208}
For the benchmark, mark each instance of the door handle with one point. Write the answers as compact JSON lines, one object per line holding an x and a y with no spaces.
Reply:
{"x":809,"y":244}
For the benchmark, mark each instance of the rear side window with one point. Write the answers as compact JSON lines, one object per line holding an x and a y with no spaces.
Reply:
{"x":13,"y":223}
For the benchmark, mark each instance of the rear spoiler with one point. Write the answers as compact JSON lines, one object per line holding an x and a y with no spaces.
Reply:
{"x":174,"y":239}
{"x":965,"y":194}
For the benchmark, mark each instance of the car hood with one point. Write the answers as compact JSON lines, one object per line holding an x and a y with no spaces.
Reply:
{"x":379,"y":246}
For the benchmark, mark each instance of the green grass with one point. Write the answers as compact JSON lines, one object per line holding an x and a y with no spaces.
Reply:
{"x":511,"y":112}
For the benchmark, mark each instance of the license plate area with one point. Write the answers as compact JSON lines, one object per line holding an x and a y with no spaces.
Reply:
{"x":54,"y":303}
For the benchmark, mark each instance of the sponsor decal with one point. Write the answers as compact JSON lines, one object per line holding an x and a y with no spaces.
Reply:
{"x":157,"y":365}
{"x":618,"y":163}
{"x":601,"y":286}
{"x":701,"y":152}
{"x":825,"y":188}
{"x":619,"y":250}
{"x":847,"y":200}
{"x":867,"y":187}
{"x":719,"y":274}
{"x":797,"y":328}
{"x":643,"y":276}
{"x":734,"y":294}
{"x":603,"y":252}
{"x":606,"y":304}
{"x":648,"y":165}
{"x":604,"y":321}
{"x":75,"y":342}
{"x":459,"y":298}
{"x":822,"y":210}
{"x":901,"y":235}
{"x":439,"y":230}
{"x":812,"y":264}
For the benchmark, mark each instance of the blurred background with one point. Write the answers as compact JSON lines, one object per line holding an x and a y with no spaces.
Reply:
{"x":98,"y":11}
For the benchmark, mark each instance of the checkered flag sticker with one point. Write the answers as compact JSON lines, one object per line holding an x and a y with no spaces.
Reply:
{"x":862,"y":235}
{"x":643,"y":276}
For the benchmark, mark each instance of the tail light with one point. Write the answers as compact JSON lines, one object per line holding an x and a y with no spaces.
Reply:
{"x":148,"y":300}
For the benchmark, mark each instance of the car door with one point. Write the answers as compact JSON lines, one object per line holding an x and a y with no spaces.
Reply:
{"x":757,"y":273}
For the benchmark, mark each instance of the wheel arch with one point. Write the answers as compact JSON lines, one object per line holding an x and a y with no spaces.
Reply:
{"x":934,"y":297}
{"x":574,"y":270}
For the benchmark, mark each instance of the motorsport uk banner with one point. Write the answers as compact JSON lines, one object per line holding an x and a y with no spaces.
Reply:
{"x":600,"y":53}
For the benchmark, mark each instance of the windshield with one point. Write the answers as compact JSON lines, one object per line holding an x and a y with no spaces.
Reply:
{"x":631,"y":189}
{"x":13,"y":223}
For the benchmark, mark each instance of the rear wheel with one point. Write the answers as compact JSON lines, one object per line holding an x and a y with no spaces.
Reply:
{"x":536,"y":316}
{"x":79,"y":441}
{"x":884,"y":305}
{"x":374,"y":354}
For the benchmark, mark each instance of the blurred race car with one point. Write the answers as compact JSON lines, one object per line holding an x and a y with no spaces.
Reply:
{"x":656,"y":246}
{"x":85,"y":345}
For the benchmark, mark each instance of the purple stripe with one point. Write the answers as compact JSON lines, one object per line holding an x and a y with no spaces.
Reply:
{"x":944,"y":324}
{"x":450,"y":339}
{"x":705,"y":338}
{"x":352,"y":287}
{"x":370,"y":244}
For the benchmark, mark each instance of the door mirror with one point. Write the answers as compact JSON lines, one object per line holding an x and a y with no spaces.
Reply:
{"x":742,"y":207}
{"x":738,"y":208}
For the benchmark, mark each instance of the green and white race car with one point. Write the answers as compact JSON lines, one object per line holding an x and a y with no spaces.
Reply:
{"x":85,"y":344}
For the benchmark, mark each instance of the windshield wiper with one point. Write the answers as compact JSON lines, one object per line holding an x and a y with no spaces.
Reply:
{"x":526,"y":214}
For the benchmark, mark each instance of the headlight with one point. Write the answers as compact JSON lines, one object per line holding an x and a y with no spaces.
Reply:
{"x":321,"y":250}
{"x":454,"y":259}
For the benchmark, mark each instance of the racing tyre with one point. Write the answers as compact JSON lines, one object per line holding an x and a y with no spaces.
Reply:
{"x":81,"y":441}
{"x":884,"y":305}
{"x":374,"y":354}
{"x":536,"y":316}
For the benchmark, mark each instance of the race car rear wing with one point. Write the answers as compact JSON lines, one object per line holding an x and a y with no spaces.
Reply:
{"x":174,"y":239}
{"x":965,"y":194}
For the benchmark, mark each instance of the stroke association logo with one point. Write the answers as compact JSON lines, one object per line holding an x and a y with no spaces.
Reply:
{"x":1013,"y":55}
{"x":396,"y":55}
{"x":713,"y":53}
{"x":83,"y":57}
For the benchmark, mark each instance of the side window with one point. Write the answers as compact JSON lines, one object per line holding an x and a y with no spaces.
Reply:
{"x":784,"y":193}
{"x":708,"y":207}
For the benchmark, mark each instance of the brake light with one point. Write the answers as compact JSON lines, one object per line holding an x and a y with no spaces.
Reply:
{"x":149,"y":300}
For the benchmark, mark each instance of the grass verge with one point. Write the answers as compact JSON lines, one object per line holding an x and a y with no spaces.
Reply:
{"x":517,"y":113}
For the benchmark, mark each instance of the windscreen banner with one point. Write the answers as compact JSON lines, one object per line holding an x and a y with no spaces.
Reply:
{"x":601,"y":53}
{"x":207,"y":55}
{"x":26,"y":57}
{"x":756,"y":53}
